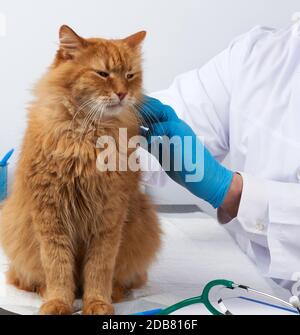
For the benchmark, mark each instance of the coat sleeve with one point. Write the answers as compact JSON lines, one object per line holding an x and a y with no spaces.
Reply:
{"x":269,"y":220}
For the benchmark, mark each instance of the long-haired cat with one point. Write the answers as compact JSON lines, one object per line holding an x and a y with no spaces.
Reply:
{"x":67,"y":226}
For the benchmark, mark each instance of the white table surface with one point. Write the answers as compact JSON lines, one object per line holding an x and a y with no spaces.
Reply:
{"x":196,"y":249}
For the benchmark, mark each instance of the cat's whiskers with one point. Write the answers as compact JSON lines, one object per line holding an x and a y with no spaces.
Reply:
{"x":102,"y":113}
{"x":98,"y":116}
{"x":85,"y":125}
{"x":91,"y":117}
{"x":147,"y":118}
{"x":136,"y":106}
{"x":103,"y":106}
{"x":140,"y":105}
{"x":81,"y":108}
{"x":92,"y":108}
{"x":95,"y":109}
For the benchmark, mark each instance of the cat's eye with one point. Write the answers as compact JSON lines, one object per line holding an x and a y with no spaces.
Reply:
{"x":129,"y":76}
{"x":103,"y":74}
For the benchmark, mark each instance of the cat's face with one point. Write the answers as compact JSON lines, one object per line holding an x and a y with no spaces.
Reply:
{"x":102,"y":76}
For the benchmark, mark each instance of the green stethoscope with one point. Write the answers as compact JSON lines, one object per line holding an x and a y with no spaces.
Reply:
{"x":204,"y":299}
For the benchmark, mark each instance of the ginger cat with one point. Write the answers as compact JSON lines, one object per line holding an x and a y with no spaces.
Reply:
{"x":68,"y":227}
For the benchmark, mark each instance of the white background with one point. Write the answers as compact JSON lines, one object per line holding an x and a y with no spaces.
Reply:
{"x":182,"y":35}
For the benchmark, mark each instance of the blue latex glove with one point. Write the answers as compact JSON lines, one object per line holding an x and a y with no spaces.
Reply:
{"x":199,"y":172}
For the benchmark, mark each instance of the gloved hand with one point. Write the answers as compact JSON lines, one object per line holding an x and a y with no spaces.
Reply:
{"x":190,"y":163}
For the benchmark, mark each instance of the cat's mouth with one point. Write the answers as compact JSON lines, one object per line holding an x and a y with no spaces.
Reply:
{"x":102,"y":110}
{"x":112,"y":109}
{"x":115,"y":105}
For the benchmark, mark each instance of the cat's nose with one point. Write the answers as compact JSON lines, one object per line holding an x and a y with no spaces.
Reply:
{"x":121,"y":95}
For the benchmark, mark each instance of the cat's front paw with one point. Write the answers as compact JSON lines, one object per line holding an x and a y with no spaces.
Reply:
{"x":55,"y":307}
{"x":97,"y":307}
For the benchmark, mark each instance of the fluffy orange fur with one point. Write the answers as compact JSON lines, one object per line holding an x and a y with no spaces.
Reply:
{"x":67,"y":227}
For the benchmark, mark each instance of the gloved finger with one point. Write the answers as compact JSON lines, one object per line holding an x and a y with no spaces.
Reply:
{"x":162,"y":111}
{"x":160,"y":129}
{"x":153,"y":111}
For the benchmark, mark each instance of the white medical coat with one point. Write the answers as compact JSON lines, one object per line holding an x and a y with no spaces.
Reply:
{"x":245,"y":103}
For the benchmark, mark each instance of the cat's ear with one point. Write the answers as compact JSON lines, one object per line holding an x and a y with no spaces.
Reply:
{"x":69,"y":42}
{"x":135,"y":40}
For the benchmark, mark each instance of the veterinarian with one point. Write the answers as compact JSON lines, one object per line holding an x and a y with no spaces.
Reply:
{"x":245,"y":104}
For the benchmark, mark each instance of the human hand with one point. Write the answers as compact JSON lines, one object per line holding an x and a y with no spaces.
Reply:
{"x":183,"y":155}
